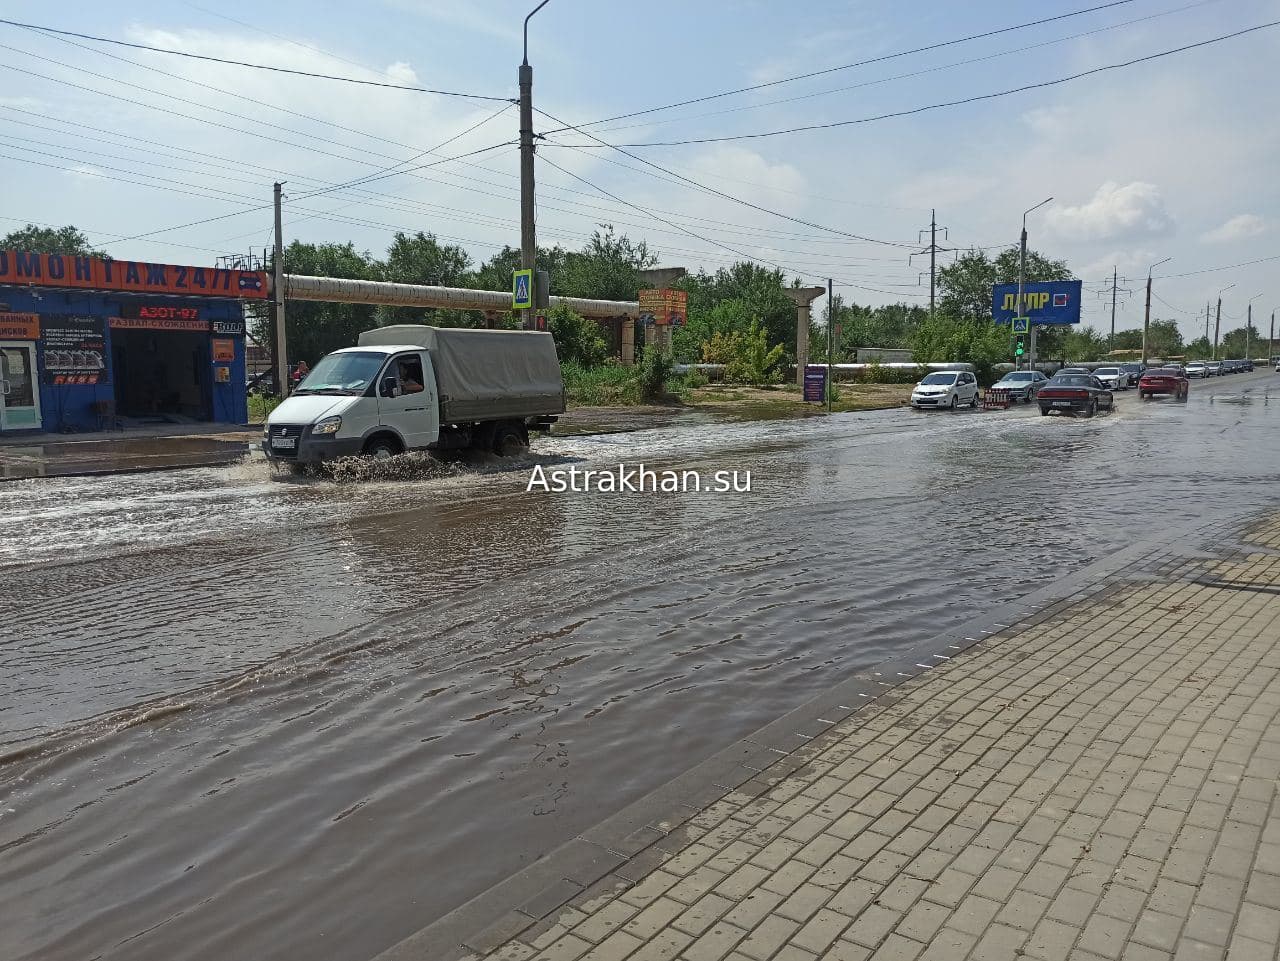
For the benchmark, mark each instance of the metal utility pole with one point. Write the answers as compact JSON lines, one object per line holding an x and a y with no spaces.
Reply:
{"x":831,"y":322}
{"x":1271,"y":347}
{"x":528,"y":230}
{"x":1022,"y":271}
{"x":277,"y":289}
{"x":1206,"y":322}
{"x":932,"y":250}
{"x":1115,"y":281}
{"x":1146,"y":318}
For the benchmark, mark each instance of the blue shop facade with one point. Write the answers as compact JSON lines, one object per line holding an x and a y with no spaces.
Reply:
{"x":81,"y":359}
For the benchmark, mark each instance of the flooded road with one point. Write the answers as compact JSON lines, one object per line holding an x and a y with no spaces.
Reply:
{"x":246,"y":717}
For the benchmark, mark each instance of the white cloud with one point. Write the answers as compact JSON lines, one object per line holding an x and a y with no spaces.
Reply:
{"x":1114,"y":213}
{"x":1239,"y":227}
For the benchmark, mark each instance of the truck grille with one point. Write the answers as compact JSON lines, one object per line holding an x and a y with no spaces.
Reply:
{"x":284,"y":431}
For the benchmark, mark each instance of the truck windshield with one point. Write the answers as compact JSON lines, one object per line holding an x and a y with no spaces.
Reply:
{"x":349,"y":372}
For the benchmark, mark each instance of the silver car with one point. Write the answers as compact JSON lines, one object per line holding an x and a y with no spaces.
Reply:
{"x":1022,"y":385}
{"x":1113,"y":377}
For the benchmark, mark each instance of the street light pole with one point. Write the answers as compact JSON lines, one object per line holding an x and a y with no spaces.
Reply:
{"x":1217,"y":321}
{"x":1022,"y":271}
{"x":1146,"y":318}
{"x":528,"y":231}
{"x":1248,"y":324}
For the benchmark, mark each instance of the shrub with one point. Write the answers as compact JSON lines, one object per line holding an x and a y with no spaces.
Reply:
{"x":577,"y":339}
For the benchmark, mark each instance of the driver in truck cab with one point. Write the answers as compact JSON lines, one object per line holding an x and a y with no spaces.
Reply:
{"x":410,"y":371}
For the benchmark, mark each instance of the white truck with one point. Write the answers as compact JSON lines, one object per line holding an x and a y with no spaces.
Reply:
{"x":420,"y":388}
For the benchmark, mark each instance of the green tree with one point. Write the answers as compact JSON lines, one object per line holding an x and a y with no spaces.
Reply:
{"x":1199,"y":349}
{"x":964,"y":287}
{"x":49,"y":240}
{"x":1083,"y":344}
{"x":747,"y":355}
{"x":577,"y":339}
{"x":607,"y":268}
{"x":1164,"y":339}
{"x":421,"y":259}
{"x":703,"y":323}
{"x":949,"y":340}
{"x":1234,"y":343}
{"x":314,"y":328}
{"x":760,"y":289}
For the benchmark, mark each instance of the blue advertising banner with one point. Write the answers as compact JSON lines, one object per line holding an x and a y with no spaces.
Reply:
{"x":1051,"y":302}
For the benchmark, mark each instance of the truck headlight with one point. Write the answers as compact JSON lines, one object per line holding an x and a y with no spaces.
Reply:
{"x":330,"y":425}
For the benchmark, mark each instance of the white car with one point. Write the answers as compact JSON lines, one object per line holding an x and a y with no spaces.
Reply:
{"x":946,"y":388}
{"x":1197,"y":369}
{"x":1113,"y":377}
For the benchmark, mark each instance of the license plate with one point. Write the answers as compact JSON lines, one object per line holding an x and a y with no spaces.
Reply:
{"x":1062,"y":403}
{"x":284,"y":443}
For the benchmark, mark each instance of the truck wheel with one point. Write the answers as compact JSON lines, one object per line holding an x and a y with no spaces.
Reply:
{"x":382,"y":447}
{"x":510,"y":440}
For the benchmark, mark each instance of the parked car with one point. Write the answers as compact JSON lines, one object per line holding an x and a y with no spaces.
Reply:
{"x":1198,"y":369}
{"x":1213,"y":368}
{"x":1135,"y":372}
{"x":946,"y":388}
{"x":1076,"y":393}
{"x":1164,"y":380}
{"x":1113,"y":377}
{"x":1072,"y":370}
{"x":1248,"y":366}
{"x":1022,"y":385}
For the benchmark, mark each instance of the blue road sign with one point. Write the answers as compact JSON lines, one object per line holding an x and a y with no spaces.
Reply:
{"x":1055,"y":302}
{"x":522,"y":290}
{"x":1021,"y":325}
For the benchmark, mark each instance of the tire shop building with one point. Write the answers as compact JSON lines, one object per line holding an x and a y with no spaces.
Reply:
{"x":88,"y":343}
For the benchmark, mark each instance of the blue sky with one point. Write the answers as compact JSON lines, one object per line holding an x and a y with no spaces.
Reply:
{"x":1173,"y":158}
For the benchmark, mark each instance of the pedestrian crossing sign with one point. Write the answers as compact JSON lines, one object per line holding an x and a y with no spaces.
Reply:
{"x":1021,"y":325}
{"x":522,"y":290}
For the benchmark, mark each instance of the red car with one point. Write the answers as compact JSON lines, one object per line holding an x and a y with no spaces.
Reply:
{"x":1164,"y":380}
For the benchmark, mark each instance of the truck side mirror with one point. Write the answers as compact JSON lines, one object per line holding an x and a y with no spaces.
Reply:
{"x":390,"y":387}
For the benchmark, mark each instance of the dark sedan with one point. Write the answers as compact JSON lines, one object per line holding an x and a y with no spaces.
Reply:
{"x":1076,"y":393}
{"x":1164,"y":380}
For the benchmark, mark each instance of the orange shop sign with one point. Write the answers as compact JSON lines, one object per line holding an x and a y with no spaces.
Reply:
{"x":128,"y":276}
{"x":663,"y":307}
{"x":19,"y":326}
{"x":224,"y":351}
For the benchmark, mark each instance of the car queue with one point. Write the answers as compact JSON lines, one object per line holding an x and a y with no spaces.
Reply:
{"x":1074,"y":390}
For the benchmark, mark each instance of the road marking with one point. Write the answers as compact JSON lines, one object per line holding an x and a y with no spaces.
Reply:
{"x":943,"y":656}
{"x":864,"y":695}
{"x":925,"y":666}
{"x":825,"y":721}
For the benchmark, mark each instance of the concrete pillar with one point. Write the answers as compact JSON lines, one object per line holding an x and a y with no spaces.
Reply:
{"x":628,"y":341}
{"x":802,"y":297}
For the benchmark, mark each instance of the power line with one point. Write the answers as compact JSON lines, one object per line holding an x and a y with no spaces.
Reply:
{"x":950,"y":103}
{"x":720,"y":193}
{"x":253,"y":66}
{"x":850,"y":66}
{"x":733,"y":250}
{"x":915,"y":73}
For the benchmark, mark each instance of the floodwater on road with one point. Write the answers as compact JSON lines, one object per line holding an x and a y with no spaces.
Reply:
{"x":250,"y":717}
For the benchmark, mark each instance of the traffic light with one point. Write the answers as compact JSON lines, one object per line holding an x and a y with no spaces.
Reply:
{"x":1020,"y":345}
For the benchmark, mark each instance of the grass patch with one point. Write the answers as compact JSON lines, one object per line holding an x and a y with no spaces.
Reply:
{"x":612,"y":385}
{"x":260,"y":405}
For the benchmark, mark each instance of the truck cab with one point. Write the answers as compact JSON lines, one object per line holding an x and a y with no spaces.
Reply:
{"x":359,"y":400}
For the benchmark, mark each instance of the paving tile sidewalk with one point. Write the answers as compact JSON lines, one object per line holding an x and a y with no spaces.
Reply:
{"x":1097,"y":782}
